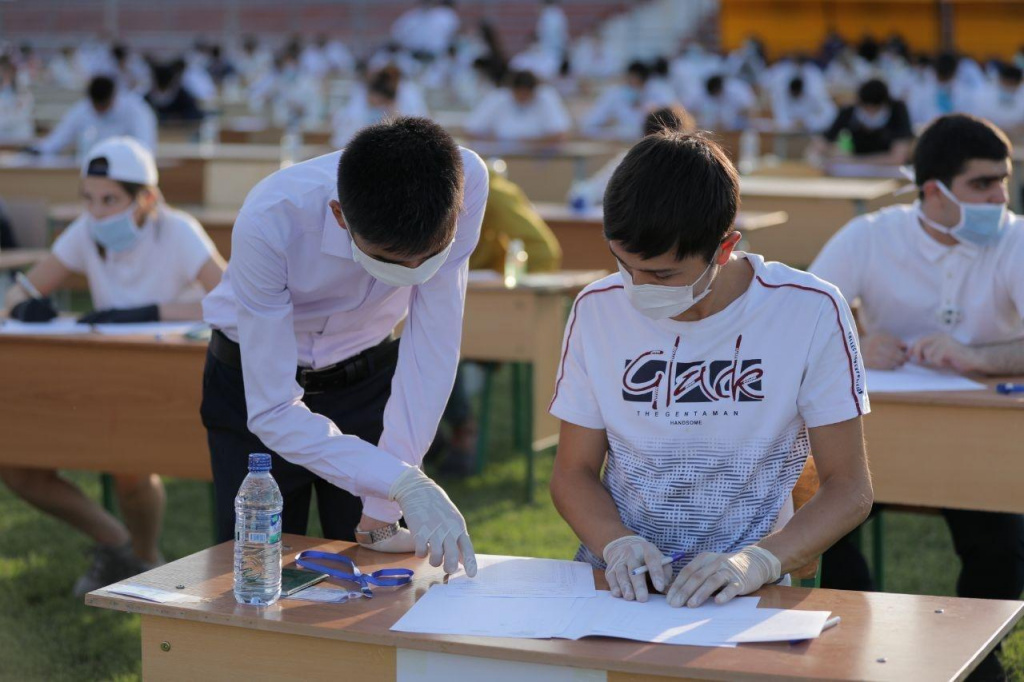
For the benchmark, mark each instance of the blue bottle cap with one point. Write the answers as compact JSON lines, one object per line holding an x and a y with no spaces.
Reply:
{"x":259,"y":461}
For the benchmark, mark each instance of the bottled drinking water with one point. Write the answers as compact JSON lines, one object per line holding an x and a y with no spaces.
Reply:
{"x":258,"y":508}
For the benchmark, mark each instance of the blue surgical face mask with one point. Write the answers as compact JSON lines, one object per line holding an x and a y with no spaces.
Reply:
{"x":873,"y":121}
{"x":115,"y":233}
{"x":980,"y":224}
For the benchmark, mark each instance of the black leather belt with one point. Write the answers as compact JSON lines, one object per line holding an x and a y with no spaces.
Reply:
{"x":345,"y":373}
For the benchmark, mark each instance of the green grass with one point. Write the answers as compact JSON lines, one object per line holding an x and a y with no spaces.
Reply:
{"x":45,"y":634}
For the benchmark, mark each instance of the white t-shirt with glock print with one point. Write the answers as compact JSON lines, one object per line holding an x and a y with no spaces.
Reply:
{"x":707,"y":421}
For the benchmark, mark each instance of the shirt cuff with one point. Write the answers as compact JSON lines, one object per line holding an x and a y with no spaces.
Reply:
{"x":375,"y":479}
{"x":382,"y":510}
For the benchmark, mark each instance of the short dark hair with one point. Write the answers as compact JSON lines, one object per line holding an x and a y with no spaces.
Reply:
{"x":525,"y":80}
{"x":100,"y":167}
{"x":945,"y":65}
{"x":796,"y":87}
{"x":1011,"y":72}
{"x":674,"y":118}
{"x":639,"y":69}
{"x":101,"y":91}
{"x":660,"y":67}
{"x":385,"y":84}
{"x":400,"y":185}
{"x":874,"y":93}
{"x":714,"y":85}
{"x":672,"y":192}
{"x":949,"y":142}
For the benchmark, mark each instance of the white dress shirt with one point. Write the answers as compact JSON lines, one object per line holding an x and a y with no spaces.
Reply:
{"x":128,"y":115}
{"x":910,"y":285}
{"x":500,"y":116}
{"x":293,"y":296}
{"x":814,"y":111}
{"x":727,"y":111}
{"x":625,"y":109}
{"x":1005,"y":108}
{"x":553,"y":29}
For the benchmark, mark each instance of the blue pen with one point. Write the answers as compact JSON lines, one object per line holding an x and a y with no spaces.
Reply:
{"x":667,"y":560}
{"x":1008,"y":388}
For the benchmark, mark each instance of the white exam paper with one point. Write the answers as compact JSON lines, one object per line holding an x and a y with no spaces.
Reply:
{"x":917,"y":378}
{"x":154,"y":594}
{"x":512,"y":576}
{"x":155,"y":329}
{"x":60,"y":326}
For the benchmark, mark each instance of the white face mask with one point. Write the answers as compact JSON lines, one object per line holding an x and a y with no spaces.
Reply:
{"x":660,"y":302}
{"x":397,"y":275}
{"x":980,"y":224}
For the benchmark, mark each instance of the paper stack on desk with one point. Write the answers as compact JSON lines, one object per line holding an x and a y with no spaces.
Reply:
{"x":560,"y":601}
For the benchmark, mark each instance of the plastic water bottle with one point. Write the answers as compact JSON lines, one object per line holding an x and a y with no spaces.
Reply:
{"x":515,"y":263}
{"x":750,"y":151}
{"x":258,"y":508}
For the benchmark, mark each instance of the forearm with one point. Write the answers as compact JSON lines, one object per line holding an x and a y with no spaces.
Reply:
{"x":170,"y":312}
{"x":840,"y":505}
{"x":588,"y":508}
{"x":1001,"y":358}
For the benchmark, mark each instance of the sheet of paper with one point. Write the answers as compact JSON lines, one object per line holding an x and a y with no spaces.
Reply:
{"x":438,"y":612}
{"x":325,"y":595}
{"x":155,"y":329}
{"x":511,"y":576}
{"x":154,"y":594}
{"x":916,"y":378}
{"x":61,"y":326}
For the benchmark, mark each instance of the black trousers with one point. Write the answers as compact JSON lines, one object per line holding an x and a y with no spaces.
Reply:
{"x":357,"y":410}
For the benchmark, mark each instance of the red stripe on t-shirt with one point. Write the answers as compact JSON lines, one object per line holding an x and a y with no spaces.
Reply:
{"x":568,"y":338}
{"x":839,"y":321}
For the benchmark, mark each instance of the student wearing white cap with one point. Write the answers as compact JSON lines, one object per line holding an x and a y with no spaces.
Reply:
{"x":144,"y":261}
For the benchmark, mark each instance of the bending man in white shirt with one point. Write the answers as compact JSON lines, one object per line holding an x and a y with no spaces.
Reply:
{"x":693,"y":385}
{"x":939,"y":283}
{"x":327,"y":257}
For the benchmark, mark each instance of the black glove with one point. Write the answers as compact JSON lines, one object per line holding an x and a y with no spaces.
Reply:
{"x":146,"y":313}
{"x":34,"y":310}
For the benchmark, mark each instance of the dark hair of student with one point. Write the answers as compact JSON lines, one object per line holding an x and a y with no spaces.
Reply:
{"x":639,"y":69}
{"x":949,"y":142}
{"x":101,"y":91}
{"x":400,"y":186}
{"x":674,"y":118}
{"x":945,"y":66}
{"x":673,"y":192}
{"x":1011,"y":73}
{"x":714,"y":85}
{"x":524,"y":80}
{"x":660,"y":67}
{"x":874,"y":93}
{"x":796,"y":87}
{"x":868,"y":49}
{"x":385,"y":83}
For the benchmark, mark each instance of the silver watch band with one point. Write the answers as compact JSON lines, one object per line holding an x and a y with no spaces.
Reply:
{"x":371,"y":537}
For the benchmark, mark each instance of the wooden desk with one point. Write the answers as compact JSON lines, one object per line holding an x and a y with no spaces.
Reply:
{"x":582,"y":238}
{"x":131,"y":405}
{"x":947,"y":449}
{"x":919,"y":638}
{"x":817,"y":208}
{"x":546,"y":173}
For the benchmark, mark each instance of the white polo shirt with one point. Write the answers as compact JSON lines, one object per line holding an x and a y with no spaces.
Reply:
{"x":501,"y":116}
{"x":292,"y":295}
{"x":161,"y":267}
{"x":707,"y":421}
{"x":910,"y":285}
{"x":128,"y":115}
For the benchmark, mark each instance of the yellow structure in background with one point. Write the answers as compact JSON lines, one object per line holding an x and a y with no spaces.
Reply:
{"x":980,"y":28}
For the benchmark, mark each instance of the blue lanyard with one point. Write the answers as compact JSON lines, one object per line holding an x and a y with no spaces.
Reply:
{"x":385,"y":577}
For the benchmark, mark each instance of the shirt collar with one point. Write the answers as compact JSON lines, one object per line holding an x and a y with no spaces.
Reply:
{"x":932,"y":250}
{"x":336,"y":241}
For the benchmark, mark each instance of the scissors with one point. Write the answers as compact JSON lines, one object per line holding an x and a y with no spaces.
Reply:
{"x":385,"y":577}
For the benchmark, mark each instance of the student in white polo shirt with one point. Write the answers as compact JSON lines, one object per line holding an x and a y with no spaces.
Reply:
{"x":693,"y":385}
{"x":144,"y":262}
{"x":527,"y":110}
{"x":941,"y":283}
{"x":327,"y":257}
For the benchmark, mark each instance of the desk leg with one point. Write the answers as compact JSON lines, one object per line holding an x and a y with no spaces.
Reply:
{"x":548,"y":328}
{"x":175,"y":649}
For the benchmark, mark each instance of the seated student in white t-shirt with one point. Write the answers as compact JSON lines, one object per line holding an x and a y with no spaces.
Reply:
{"x":526,"y":110}
{"x":140,"y":258}
{"x":698,"y":379}
{"x":940,"y":283}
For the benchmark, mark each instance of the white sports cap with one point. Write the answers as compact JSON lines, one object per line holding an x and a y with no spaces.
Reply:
{"x":127,"y":161}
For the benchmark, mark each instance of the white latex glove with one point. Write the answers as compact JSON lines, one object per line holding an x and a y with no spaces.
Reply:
{"x":624,"y":554}
{"x":403,"y":541}
{"x":734,"y":574}
{"x":435,"y":523}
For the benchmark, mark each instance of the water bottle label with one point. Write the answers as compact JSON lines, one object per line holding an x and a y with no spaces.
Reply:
{"x":269,"y":536}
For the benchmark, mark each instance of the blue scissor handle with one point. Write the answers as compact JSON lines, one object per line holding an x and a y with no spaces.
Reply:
{"x":385,"y":577}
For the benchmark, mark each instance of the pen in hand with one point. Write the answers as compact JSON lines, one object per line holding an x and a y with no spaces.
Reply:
{"x":667,"y":560}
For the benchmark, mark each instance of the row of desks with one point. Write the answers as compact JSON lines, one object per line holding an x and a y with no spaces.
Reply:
{"x":881,"y":636}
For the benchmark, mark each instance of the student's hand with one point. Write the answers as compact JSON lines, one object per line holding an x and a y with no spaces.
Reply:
{"x":624,"y":554}
{"x":401,"y":542}
{"x":882,"y":351}
{"x":435,"y":523}
{"x":34,"y":310}
{"x":146,"y":313}
{"x":733,"y":574}
{"x":940,"y":350}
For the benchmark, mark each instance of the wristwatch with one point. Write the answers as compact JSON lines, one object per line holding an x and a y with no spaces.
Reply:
{"x":372,"y":537}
